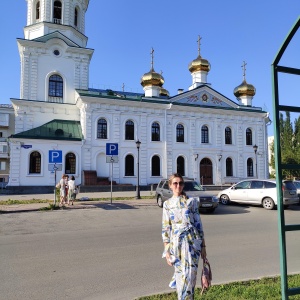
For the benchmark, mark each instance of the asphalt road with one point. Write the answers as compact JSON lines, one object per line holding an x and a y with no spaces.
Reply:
{"x":114,"y":252}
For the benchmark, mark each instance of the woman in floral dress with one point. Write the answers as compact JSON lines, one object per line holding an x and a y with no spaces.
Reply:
{"x":183,"y":238}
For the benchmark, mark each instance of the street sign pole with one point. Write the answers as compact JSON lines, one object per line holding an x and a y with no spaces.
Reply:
{"x":112,"y":151}
{"x":111,"y":179}
{"x":54,"y":169}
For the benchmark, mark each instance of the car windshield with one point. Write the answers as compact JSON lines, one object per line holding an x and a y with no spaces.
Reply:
{"x":192,"y":186}
{"x":290,"y":185}
{"x":297,"y":184}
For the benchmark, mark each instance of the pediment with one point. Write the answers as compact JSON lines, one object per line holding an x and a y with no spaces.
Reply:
{"x":56,"y":35}
{"x":204,"y":96}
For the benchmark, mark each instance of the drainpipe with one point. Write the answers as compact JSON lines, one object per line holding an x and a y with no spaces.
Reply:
{"x":166,"y":154}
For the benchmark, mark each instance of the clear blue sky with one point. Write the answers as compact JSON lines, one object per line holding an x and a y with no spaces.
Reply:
{"x":123,"y":32}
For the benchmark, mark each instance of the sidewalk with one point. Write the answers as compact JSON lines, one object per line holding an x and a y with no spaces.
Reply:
{"x":82,"y":201}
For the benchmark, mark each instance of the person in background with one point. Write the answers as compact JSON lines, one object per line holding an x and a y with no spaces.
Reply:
{"x":62,"y":190}
{"x":71,"y":190}
{"x":66,"y":187}
{"x":183,"y":238}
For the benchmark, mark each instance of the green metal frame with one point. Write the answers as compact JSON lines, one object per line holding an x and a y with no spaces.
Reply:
{"x":277,"y":108}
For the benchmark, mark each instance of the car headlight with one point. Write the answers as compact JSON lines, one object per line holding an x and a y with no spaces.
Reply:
{"x":215,"y":199}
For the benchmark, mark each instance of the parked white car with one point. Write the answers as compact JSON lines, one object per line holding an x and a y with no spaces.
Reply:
{"x":259,"y":192}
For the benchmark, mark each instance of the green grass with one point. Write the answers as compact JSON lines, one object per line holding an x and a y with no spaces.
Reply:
{"x":12,"y":201}
{"x":262,"y":289}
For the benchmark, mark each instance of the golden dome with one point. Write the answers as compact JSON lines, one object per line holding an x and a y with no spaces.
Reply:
{"x":199,"y":64}
{"x":164,"y":92}
{"x":152,"y":79}
{"x":244,"y":89}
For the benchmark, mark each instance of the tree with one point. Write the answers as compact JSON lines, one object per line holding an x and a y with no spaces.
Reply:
{"x":289,"y":145}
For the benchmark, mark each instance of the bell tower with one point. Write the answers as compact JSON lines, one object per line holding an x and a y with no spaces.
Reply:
{"x":67,"y":16}
{"x":54,"y":58}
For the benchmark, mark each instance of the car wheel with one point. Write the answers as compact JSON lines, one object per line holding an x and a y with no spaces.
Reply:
{"x":159,"y":201}
{"x":224,"y":199}
{"x":268,"y":203}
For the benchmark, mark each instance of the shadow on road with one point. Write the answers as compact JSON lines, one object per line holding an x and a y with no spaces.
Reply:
{"x":108,"y":206}
{"x":241,"y":208}
{"x":231,"y":209}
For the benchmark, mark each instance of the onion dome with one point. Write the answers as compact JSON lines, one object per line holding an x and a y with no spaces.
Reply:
{"x":152,"y":79}
{"x":244,"y":89}
{"x":164,"y":92}
{"x":199,"y":64}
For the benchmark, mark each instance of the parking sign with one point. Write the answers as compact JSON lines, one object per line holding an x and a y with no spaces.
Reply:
{"x":111,"y":149}
{"x":55,"y":157}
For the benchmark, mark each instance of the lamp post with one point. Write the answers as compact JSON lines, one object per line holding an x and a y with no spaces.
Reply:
{"x":255,"y":147}
{"x":138,"y":196}
{"x":220,"y":157}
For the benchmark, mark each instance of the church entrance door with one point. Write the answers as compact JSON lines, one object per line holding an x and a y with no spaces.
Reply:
{"x":206,"y":173}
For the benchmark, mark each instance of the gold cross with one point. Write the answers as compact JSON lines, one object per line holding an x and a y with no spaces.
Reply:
{"x":244,"y":70}
{"x":152,"y":58}
{"x":199,"y":43}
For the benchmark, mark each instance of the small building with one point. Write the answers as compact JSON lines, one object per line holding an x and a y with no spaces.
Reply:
{"x":7,"y":126}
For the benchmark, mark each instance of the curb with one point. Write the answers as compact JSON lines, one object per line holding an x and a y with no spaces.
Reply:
{"x":117,"y":204}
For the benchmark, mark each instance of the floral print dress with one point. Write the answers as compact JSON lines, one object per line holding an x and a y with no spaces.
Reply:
{"x":182,"y":229}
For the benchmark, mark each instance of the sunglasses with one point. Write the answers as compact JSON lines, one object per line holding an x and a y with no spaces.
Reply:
{"x":181,"y":183}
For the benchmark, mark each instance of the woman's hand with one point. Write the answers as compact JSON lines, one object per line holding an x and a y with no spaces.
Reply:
{"x":168,"y":256}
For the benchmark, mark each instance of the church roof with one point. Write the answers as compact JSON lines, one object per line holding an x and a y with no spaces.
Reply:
{"x":54,"y":130}
{"x":203,"y":96}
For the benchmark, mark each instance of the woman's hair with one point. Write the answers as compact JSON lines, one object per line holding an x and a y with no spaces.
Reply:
{"x":63,"y":175}
{"x":176,"y":175}
{"x":72,"y":177}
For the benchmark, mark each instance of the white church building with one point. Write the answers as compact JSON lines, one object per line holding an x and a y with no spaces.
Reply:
{"x":199,"y":132}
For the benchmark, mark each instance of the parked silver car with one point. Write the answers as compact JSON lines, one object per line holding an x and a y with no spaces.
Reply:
{"x":259,"y":192}
{"x":208,"y":202}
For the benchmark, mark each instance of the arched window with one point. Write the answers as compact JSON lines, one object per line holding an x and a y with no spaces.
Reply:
{"x":155,"y":165}
{"x":70,"y":164}
{"x":37,"y":11}
{"x":249,"y":167}
{"x":248,"y":136}
{"x":179,"y":133}
{"x":129,"y":130}
{"x":57,"y":10}
{"x":204,"y":135}
{"x":229,"y":169}
{"x":35,"y":163}
{"x":129,"y":165}
{"x":180,"y":165}
{"x":102,"y":129}
{"x":55,"y":86}
{"x":155,"y":131}
{"x":76,"y":17}
{"x":228,"y":136}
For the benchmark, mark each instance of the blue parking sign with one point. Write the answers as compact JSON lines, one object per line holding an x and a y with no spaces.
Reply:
{"x":55,"y":157}
{"x":111,"y":149}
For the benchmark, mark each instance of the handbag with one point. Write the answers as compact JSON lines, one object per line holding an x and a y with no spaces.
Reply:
{"x":206,"y":276}
{"x":58,"y":186}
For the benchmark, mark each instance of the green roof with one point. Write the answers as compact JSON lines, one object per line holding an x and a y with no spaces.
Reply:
{"x":54,"y":130}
